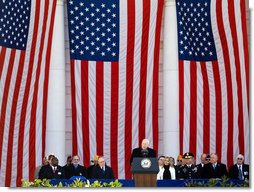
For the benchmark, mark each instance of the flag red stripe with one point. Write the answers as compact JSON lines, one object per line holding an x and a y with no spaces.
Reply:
{"x":181,"y":104}
{"x":193,"y":107}
{"x":245,"y":46}
{"x":114,"y":117}
{"x":2,"y":56}
{"x":217,"y":84}
{"x":206,"y":109}
{"x":232,"y":21}
{"x":5,"y":100}
{"x":13,"y":117}
{"x":129,"y":85}
{"x":85,"y":110}
{"x":156,"y":76}
{"x":33,"y":117}
{"x":99,"y":106}
{"x":46,"y":78}
{"x":225,"y":49}
{"x":74,"y":110}
{"x":143,"y":70}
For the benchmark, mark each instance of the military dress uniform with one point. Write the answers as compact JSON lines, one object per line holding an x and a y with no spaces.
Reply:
{"x":189,"y":172}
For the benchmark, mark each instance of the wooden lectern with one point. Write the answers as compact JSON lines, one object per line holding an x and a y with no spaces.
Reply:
{"x":145,"y":171}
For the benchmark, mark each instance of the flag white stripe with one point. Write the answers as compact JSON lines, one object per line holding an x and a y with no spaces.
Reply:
{"x":107,"y":111}
{"x":78,"y":96}
{"x":122,"y":88}
{"x":200,"y":112}
{"x":136,"y":73}
{"x":210,"y":75}
{"x":92,"y":107}
{"x":150,"y":68}
{"x":186,"y":131}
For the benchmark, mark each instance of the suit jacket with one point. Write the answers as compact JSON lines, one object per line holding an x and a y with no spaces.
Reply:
{"x":90,"y":170}
{"x":137,"y":153}
{"x":72,"y":171}
{"x":48,"y":173}
{"x":233,"y":171}
{"x":218,"y":172}
{"x":200,"y":170}
{"x":98,"y":173}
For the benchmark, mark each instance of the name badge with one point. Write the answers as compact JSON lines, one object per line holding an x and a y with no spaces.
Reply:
{"x":59,"y":173}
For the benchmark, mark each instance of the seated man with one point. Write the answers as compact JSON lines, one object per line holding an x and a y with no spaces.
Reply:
{"x":102,"y":171}
{"x":143,"y":151}
{"x":52,"y":171}
{"x":240,"y":170}
{"x":75,"y":169}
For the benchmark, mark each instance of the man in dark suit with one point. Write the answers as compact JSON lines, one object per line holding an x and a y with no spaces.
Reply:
{"x":214,"y":169}
{"x":239,"y":170}
{"x":102,"y":171}
{"x":204,"y":160}
{"x":75,"y":169}
{"x":90,"y":169}
{"x":143,"y":151}
{"x":52,"y":171}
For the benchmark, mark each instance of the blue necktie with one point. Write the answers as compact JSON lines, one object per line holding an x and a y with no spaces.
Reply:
{"x":240,"y":173}
{"x":214,"y":166}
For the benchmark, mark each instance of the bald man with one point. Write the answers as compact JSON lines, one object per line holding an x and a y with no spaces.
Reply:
{"x":143,"y":151}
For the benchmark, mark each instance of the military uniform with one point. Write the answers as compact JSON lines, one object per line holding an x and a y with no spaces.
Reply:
{"x":188,"y":171}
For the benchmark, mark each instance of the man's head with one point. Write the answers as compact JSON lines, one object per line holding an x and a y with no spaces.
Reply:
{"x":213,"y":158}
{"x":189,"y":158}
{"x":69,"y":160}
{"x":75,"y":160}
{"x":203,"y":158}
{"x":179,"y":160}
{"x":101,"y":162}
{"x":50,"y":157}
{"x":239,"y":159}
{"x":145,"y":144}
{"x":54,"y":161}
{"x":95,"y":159}
{"x":161,"y":160}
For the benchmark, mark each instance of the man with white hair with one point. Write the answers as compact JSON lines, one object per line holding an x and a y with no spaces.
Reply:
{"x":143,"y":151}
{"x":239,"y":170}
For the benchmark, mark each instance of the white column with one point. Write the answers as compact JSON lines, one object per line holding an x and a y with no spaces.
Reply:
{"x":170,"y":82}
{"x":55,"y":133}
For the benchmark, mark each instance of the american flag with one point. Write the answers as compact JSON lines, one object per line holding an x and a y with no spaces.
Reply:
{"x":114,"y":48}
{"x":26,"y":28}
{"x":213,"y":78}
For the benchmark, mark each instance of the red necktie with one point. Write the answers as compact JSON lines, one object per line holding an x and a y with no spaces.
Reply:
{"x":54,"y":169}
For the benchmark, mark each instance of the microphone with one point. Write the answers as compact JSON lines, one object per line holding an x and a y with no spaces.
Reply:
{"x":144,"y":152}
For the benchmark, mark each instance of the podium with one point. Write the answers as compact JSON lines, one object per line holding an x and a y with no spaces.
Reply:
{"x":145,"y":171}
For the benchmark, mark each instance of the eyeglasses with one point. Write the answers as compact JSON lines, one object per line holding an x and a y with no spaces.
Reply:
{"x":179,"y":160}
{"x":239,"y":158}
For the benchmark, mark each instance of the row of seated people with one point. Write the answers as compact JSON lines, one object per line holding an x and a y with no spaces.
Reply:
{"x":208,"y":168}
{"x":51,"y":170}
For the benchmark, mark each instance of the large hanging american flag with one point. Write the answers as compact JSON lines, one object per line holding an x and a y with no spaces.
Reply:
{"x":213,"y":78}
{"x":114,"y":48}
{"x":26,"y":28}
